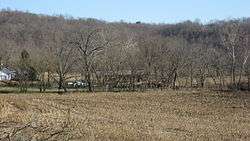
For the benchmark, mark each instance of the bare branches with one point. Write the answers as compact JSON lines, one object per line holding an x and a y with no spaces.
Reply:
{"x":91,"y":49}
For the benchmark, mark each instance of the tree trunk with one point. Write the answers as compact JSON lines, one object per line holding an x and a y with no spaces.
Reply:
{"x":242,"y":70}
{"x":174,"y":79}
{"x":42,"y":83}
{"x":233,"y":70}
{"x":219,"y":74}
{"x":248,"y":82}
{"x":248,"y":79}
{"x":191,"y":76}
{"x":88,"y":78}
{"x":133,"y":83}
{"x":64,"y":88}
{"x":202,"y":78}
{"x":1,"y":63}
{"x":61,"y":83}
{"x":239,"y":81}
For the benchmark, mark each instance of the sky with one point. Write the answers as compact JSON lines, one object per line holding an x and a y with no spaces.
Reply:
{"x":147,"y":11}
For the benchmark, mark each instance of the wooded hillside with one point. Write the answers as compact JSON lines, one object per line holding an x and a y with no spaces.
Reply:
{"x":127,"y":56}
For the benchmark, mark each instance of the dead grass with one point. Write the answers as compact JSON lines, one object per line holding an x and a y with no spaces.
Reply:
{"x":181,"y":115}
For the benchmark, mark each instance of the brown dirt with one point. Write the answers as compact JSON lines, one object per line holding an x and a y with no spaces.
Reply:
{"x":168,"y":115}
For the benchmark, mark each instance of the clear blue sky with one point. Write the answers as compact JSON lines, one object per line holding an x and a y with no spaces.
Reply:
{"x":150,"y":11}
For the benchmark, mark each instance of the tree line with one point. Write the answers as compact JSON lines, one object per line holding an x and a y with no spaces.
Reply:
{"x":125,"y":56}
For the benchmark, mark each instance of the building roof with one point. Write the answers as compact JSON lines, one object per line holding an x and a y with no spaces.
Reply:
{"x":7,"y":71}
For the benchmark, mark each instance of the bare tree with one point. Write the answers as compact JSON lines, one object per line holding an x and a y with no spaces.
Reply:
{"x":230,"y":37}
{"x":90,"y":41}
{"x":63,"y":56}
{"x":25,"y":71}
{"x":244,"y":53}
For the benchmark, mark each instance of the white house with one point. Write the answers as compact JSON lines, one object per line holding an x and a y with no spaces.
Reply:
{"x":6,"y":74}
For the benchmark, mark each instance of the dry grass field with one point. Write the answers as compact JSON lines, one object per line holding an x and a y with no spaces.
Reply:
{"x":168,"y":115}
